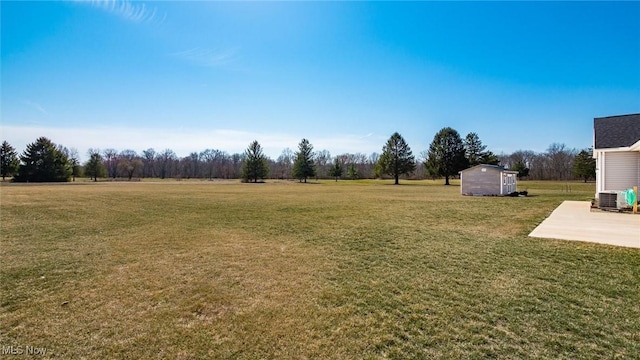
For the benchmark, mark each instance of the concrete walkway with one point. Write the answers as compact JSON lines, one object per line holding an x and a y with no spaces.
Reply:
{"x":573,"y":220}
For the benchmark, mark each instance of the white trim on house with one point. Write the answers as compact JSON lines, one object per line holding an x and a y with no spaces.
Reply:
{"x":634,"y":147}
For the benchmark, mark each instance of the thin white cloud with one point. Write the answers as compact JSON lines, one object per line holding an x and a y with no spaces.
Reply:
{"x":36,"y":107}
{"x":183,"y":141}
{"x":134,"y":12}
{"x":208,"y":57}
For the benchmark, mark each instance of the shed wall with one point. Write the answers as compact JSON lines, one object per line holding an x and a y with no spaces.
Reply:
{"x":478,"y":182}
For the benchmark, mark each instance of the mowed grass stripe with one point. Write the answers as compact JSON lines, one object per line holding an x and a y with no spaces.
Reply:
{"x":284,"y":270}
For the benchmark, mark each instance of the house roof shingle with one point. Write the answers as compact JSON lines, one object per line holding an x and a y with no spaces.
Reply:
{"x":616,"y":131}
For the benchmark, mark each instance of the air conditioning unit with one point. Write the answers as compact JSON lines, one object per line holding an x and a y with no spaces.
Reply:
{"x":607,"y":200}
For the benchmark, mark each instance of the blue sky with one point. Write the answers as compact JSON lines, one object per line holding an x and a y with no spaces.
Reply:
{"x":195,"y":75}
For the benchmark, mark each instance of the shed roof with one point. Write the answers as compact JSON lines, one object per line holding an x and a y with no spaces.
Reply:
{"x":496,"y":167}
{"x":616,"y":131}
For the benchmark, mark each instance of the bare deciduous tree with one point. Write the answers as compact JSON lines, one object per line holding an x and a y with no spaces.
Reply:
{"x":560,"y":162}
{"x":285,"y":164}
{"x":165,"y":161}
{"x":129,"y":164}
{"x":110,"y":158}
{"x":148,"y":162}
{"x":323,"y":161}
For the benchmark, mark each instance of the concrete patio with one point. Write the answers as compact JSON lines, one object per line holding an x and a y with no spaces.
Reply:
{"x":574,"y":220}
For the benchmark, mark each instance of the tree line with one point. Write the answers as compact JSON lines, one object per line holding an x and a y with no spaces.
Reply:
{"x":447,"y":154}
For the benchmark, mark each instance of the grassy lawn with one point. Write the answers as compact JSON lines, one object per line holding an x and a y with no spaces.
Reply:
{"x":197,"y":269}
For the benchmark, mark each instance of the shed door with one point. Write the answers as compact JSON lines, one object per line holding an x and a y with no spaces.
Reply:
{"x":509,"y":183}
{"x":621,"y":170}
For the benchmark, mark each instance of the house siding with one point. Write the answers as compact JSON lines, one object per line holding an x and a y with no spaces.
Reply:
{"x":622,"y":170}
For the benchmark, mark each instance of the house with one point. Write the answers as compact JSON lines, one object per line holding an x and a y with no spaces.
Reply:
{"x":616,"y":148}
{"x":486,"y":179}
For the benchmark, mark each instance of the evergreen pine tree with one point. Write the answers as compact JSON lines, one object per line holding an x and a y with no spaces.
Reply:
{"x":255,"y":163}
{"x":43,"y":161}
{"x":336,"y":169}
{"x":8,"y":159}
{"x":397,"y":158}
{"x":521,"y":168}
{"x":473,"y":149}
{"x":476,"y":152}
{"x":446,"y":154}
{"x":304,"y":166}
{"x":490,"y":158}
{"x":584,"y":165}
{"x":352,"y":172}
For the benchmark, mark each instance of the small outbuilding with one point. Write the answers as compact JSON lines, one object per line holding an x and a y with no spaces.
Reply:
{"x":489,"y":180}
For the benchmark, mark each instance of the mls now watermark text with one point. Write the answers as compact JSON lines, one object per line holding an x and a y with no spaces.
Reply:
{"x":23,"y":350}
